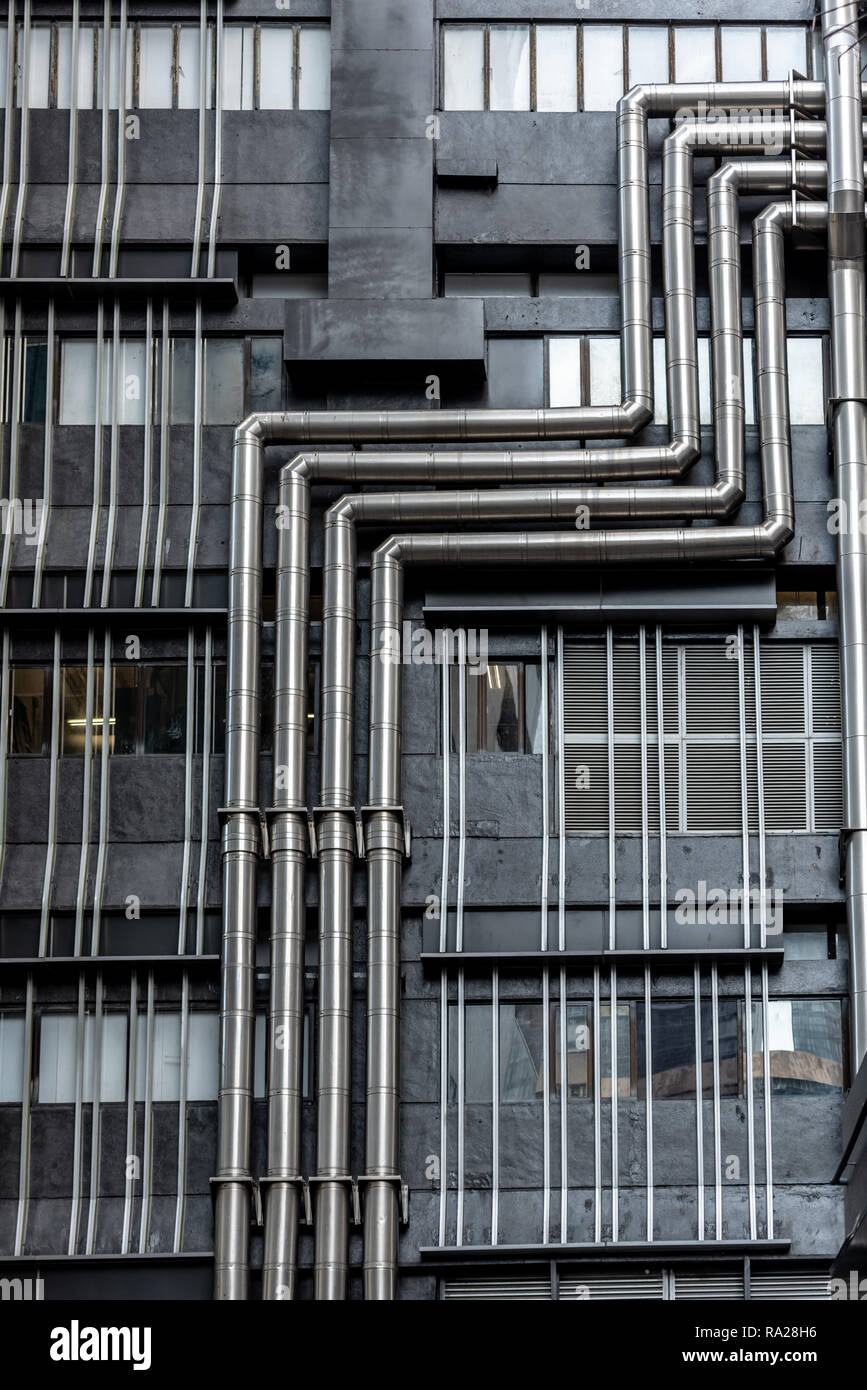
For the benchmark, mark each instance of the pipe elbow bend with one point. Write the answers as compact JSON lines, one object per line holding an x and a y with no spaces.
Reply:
{"x":683,"y":454}
{"x":390,"y":550}
{"x":726,"y":177}
{"x":731,"y":496}
{"x":776,"y":217}
{"x":637,"y":415}
{"x":344,"y":509}
{"x":779,"y":532}
{"x":250,"y":431}
{"x":636,"y":100}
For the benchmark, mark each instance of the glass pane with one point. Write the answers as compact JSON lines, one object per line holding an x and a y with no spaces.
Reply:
{"x":786,"y":46}
{"x":35,"y":375}
{"x":156,"y":55}
{"x":806,"y":381}
{"x":705,"y":408}
{"x":203,"y":1057}
{"x":501,"y":696}
{"x":276,"y":68}
{"x":58,"y":1058}
{"x":604,"y":371}
{"x":521,"y":1052}
{"x":648,"y":54}
{"x":741,"y":53}
{"x":510,"y":67}
{"x":84,"y":93}
{"x":266,"y":373}
{"x":130,"y":381}
{"x":3,"y":51}
{"x":660,"y":384}
{"x":73,"y":710}
{"x":694,"y":54}
{"x":603,"y":66}
{"x":464,"y":69}
{"x":124,"y":712}
{"x":577,"y":282}
{"x":556,"y":67}
{"x":478,"y":1053}
{"x":189,"y":68}
{"x":534,"y":732}
{"x":77,"y":382}
{"x":564,"y":371}
{"x":224,"y":381}
{"x":114,"y":69}
{"x":165,"y":1061}
{"x":729,"y":1043}
{"x":238,"y":67}
{"x":515,"y":376}
{"x":314,"y":72}
{"x":805,"y":1041}
{"x":672,"y":1050}
{"x":165,"y":708}
{"x":11,"y":1058}
{"x":624,"y":1056}
{"x":38,"y":68}
{"x":28,"y":710}
{"x":183,"y":381}
{"x":579,"y":1073}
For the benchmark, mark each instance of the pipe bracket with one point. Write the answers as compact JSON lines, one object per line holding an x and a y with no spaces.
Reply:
{"x":404,"y":831}
{"x":246,"y":1180}
{"x":301,"y":813}
{"x":307,"y":1210}
{"x":402,"y":1190}
{"x":319,"y":1178}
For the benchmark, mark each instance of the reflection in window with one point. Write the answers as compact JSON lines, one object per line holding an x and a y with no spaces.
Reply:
{"x":203,"y":1057}
{"x":521,"y":1052}
{"x":238,"y":375}
{"x":806,"y":1047}
{"x":603,"y":66}
{"x":510,"y":67}
{"x":504,"y":707}
{"x":147,"y":711}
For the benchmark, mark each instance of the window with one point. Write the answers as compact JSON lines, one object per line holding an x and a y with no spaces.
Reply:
{"x":806,"y":1044}
{"x":275,"y":66}
{"x":11,"y":1058}
{"x":238,"y":375}
{"x":29,"y":731}
{"x":266,"y":710}
{"x":521,"y":1046}
{"x":203,"y":1057}
{"x":59,"y":1052}
{"x":812,"y":605}
{"x":801,"y":749}
{"x":567,"y":67}
{"x":147,"y":714}
{"x":504,"y":707}
{"x":29,"y":400}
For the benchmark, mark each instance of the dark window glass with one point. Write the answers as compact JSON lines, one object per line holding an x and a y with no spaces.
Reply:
{"x":125,"y":681}
{"x":35,"y":374}
{"x":29,"y":710}
{"x":183,"y":381}
{"x":224,"y":381}
{"x":521,"y":1052}
{"x":165,"y":708}
{"x":504,"y":707}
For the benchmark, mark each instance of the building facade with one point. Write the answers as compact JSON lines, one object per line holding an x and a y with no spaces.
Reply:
{"x":528,"y":861}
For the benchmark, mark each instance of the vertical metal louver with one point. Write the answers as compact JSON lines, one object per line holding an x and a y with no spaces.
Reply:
{"x":485,"y":1290}
{"x":701,"y":710}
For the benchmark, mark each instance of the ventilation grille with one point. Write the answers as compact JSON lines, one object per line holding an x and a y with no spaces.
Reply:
{"x":467,"y":1290}
{"x":705,"y":704}
{"x":646,"y":1286}
{"x":800,"y":1287}
{"x":708,"y":1286}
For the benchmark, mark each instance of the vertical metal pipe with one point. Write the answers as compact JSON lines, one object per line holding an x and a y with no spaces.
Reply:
{"x":105,"y":149}
{"x":717,"y":1120}
{"x":848,"y":404}
{"x":495,"y":1105}
{"x":385,"y":850}
{"x":288,"y":870}
{"x":86,"y":796}
{"x":163,"y":502}
{"x":615,"y":1146}
{"x":147,"y":459}
{"x":95,"y":1116}
{"x":147,"y":1111}
{"x":444,"y":979}
{"x":648,"y":1098}
{"x":24,"y":1143}
{"x":78,"y":1118}
{"x":102,"y":845}
{"x":663,"y":828}
{"x":98,"y":450}
{"x":120,"y":181}
{"x":546,"y":792}
{"x":240,"y":850}
{"x":72,"y":168}
{"x":183,"y":1077}
{"x":116,"y":388}
{"x":196,"y":481}
{"x":188,"y":789}
{"x":207,"y":736}
{"x":130,"y":1174}
{"x":699,"y":1101}
{"x":47,"y":456}
{"x":597,"y":1108}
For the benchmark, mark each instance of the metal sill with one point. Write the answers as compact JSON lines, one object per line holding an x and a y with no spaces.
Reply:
{"x":772,"y":956}
{"x":214,"y":293}
{"x":485,"y":1254}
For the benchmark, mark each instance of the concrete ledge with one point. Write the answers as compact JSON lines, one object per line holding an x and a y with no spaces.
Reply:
{"x":403,"y":337}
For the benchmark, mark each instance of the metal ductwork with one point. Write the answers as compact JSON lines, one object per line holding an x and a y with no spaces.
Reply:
{"x":555,"y":482}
